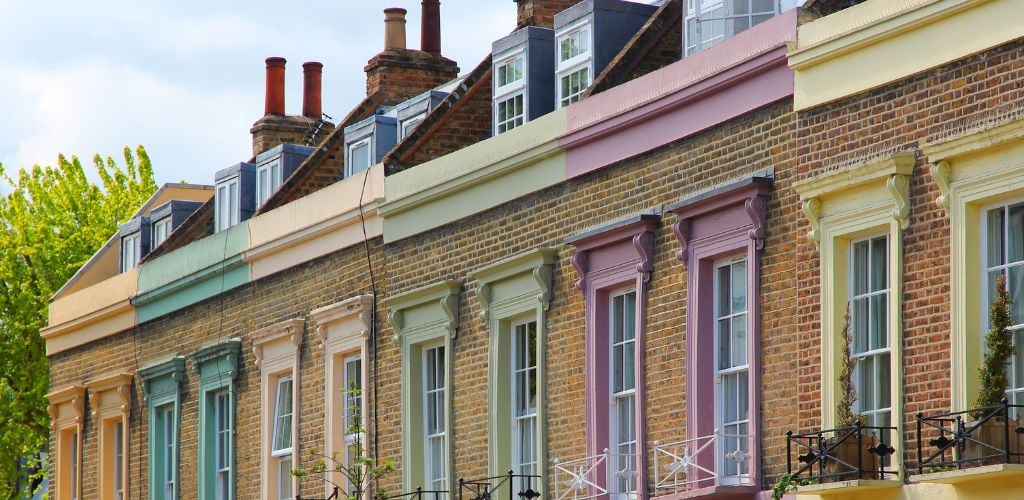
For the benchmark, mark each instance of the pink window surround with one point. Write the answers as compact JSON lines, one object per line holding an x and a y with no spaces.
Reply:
{"x":726,"y":222}
{"x":742,"y":74}
{"x":607,"y":259}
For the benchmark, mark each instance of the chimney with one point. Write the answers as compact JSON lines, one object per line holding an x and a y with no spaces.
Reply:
{"x":312,"y":104}
{"x":274,"y":104}
{"x":430,"y":29}
{"x":394,"y":28}
{"x":541,"y":13}
{"x":398,"y":73}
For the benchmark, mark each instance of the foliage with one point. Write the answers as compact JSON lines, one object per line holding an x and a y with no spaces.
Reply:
{"x":998,"y":351}
{"x":785,"y":484}
{"x":845,"y":415}
{"x":52,"y":221}
{"x":354,"y":478}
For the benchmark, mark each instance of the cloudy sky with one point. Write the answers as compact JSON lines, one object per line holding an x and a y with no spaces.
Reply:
{"x":185,"y":78}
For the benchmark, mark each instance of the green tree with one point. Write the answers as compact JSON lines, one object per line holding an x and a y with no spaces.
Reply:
{"x":999,"y":349}
{"x":845,"y":415}
{"x":52,"y":221}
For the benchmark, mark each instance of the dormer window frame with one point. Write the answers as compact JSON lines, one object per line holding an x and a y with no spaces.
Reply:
{"x":410,"y":123}
{"x":510,"y":91}
{"x":227,"y":214}
{"x":703,"y":14}
{"x":367,"y":141}
{"x":161,"y":230}
{"x":133,"y":242}
{"x":580,"y":64}
{"x":268,"y":180}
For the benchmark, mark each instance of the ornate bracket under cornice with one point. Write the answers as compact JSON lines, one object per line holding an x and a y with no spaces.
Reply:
{"x":290,"y":330}
{"x":749,"y":194}
{"x":942,"y":174}
{"x":537,"y":262}
{"x":812,"y":210}
{"x":73,"y":396}
{"x":644,"y":245}
{"x":444,"y":296}
{"x":360,"y":307}
{"x":580,"y":262}
{"x":757,"y":209}
{"x":682,"y":231}
{"x":637,"y":231}
{"x":899,"y":188}
{"x":119,"y":383}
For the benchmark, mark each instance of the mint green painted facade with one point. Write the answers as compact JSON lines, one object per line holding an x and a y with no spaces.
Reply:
{"x":192,"y":289}
{"x":218,"y":367}
{"x":162,"y":384}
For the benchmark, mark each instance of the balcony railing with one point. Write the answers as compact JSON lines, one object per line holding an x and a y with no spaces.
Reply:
{"x":518,"y":486}
{"x":421,"y":494}
{"x":590,"y":477}
{"x":678,"y":467}
{"x":858,"y":452}
{"x":970,"y":438}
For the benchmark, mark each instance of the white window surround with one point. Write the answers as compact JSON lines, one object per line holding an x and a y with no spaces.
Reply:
{"x":408,"y":125}
{"x":1011,"y":267}
{"x":67,"y":419}
{"x":276,"y":349}
{"x":421,"y":318}
{"x":343,"y":329}
{"x":268,"y":179}
{"x":513,"y":291}
{"x":435,"y":390}
{"x":226,"y":201}
{"x":131,"y":250}
{"x":573,"y":65}
{"x":161,"y":230}
{"x":844,"y":205}
{"x":350,"y":165}
{"x":510,"y":90}
{"x":870,"y":403}
{"x":732,"y":430}
{"x":973,"y":169}
{"x":110,"y":398}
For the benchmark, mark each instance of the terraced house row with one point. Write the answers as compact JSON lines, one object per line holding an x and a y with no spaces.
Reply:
{"x":611,"y":260}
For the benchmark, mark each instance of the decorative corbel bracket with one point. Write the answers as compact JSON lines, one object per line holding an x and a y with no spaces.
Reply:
{"x":682,"y":231}
{"x":580,"y":263}
{"x":542,"y":275}
{"x":942,"y":174}
{"x":644,"y":244}
{"x":450,"y":306}
{"x":757,"y":209}
{"x":483,"y":293}
{"x":397,"y":323}
{"x":812,"y":209}
{"x":899,"y":188}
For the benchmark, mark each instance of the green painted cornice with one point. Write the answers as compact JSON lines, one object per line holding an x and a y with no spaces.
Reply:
{"x":201,"y":276}
{"x":202,"y":256}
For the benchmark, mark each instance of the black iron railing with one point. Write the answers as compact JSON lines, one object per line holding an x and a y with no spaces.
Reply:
{"x":422,"y":494}
{"x":517,"y":486}
{"x":859,"y":452}
{"x":970,"y":438}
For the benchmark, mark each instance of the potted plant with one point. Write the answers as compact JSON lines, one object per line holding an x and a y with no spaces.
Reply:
{"x":988,"y":441}
{"x":852,"y":451}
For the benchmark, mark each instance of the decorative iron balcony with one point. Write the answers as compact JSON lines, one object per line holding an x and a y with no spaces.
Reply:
{"x":421,"y":494}
{"x":695,"y":463}
{"x":970,"y":438}
{"x":517,"y":486}
{"x":858,"y":452}
{"x":588,"y":477}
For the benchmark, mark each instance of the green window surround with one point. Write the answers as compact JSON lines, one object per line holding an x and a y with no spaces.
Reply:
{"x":217,"y":366}
{"x":162,"y":385}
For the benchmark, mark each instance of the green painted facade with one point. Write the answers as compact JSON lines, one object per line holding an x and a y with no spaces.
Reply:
{"x":162,"y":384}
{"x":218,"y":367}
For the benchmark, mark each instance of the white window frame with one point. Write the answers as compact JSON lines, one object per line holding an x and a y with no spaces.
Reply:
{"x":726,"y":436}
{"x":876,"y":354}
{"x":622,"y":488}
{"x":169,"y":450}
{"x":1015,"y":392}
{"x":575,"y":64}
{"x":227,"y":209}
{"x":161,"y":230}
{"x":531,"y":373}
{"x":278,"y":416}
{"x":706,"y":8}
{"x":510,"y":91}
{"x":131,"y":249}
{"x":349,"y":166}
{"x":434,"y":483}
{"x":265,"y":188}
{"x":222,"y":442}
{"x":74,"y":465}
{"x":119,"y":459}
{"x":410,"y":123}
{"x":350,"y":400}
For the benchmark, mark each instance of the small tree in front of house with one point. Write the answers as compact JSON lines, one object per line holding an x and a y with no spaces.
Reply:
{"x":352,"y":474}
{"x":845,"y":415}
{"x":999,"y":349}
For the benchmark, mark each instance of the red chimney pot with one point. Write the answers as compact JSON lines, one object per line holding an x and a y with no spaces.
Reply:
{"x":430,"y":30}
{"x":312,"y":104}
{"x":274,"y":104}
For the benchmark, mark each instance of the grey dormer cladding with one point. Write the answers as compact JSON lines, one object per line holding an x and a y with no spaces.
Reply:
{"x":246,"y":175}
{"x":137,"y":226}
{"x":177,"y":210}
{"x":290,"y":156}
{"x":380,"y":128}
{"x":538,"y":45}
{"x":613,"y":23}
{"x":420,"y":104}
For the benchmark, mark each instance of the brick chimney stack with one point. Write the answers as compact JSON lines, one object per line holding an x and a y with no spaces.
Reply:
{"x":541,"y":13}
{"x":430,"y":27}
{"x":276,"y":126}
{"x":398,"y":73}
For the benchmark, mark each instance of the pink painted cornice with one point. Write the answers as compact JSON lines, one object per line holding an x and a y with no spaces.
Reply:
{"x":742,"y":74}
{"x":752,"y":193}
{"x":639,"y":229}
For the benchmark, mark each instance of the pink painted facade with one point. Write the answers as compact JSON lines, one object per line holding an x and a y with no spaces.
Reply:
{"x":607,"y":260}
{"x":742,"y":74}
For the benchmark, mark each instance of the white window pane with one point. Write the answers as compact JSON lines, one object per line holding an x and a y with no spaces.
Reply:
{"x":739,"y":287}
{"x":285,"y":478}
{"x":730,"y":396}
{"x":879,"y":321}
{"x":359,"y":157}
{"x":1015,"y":233}
{"x":1015,"y":287}
{"x":739,"y":341}
{"x":994,"y":230}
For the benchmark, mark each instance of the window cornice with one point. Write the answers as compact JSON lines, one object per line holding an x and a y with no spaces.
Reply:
{"x":359,"y":307}
{"x":638,"y":228}
{"x":751,"y":192}
{"x":229,"y":351}
{"x":537,"y":262}
{"x":73,"y":396}
{"x":286,"y":331}
{"x":172,"y":369}
{"x":445,"y":294}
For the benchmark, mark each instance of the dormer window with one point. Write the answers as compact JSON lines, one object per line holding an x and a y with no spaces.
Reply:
{"x":161,"y":230}
{"x":274,"y":166}
{"x":227,"y":204}
{"x":268,"y":179}
{"x":166,"y":217}
{"x":708,"y":22}
{"x":234,"y":199}
{"x":368,"y":141}
{"x":413,"y":111}
{"x":509,"y":93}
{"x":131,"y":252}
{"x":574,"y":63}
{"x":358,"y":156}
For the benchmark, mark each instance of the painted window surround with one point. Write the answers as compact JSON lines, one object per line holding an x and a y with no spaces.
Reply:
{"x":973,"y":169}
{"x":110,"y":399}
{"x":725,"y":222}
{"x":276,"y":352}
{"x":608,"y":258}
{"x":343,"y":329}
{"x":67,"y":414}
{"x":217,"y":366}
{"x":517,"y":288}
{"x":863,"y":199}
{"x":162,"y":386}
{"x":419,"y":316}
